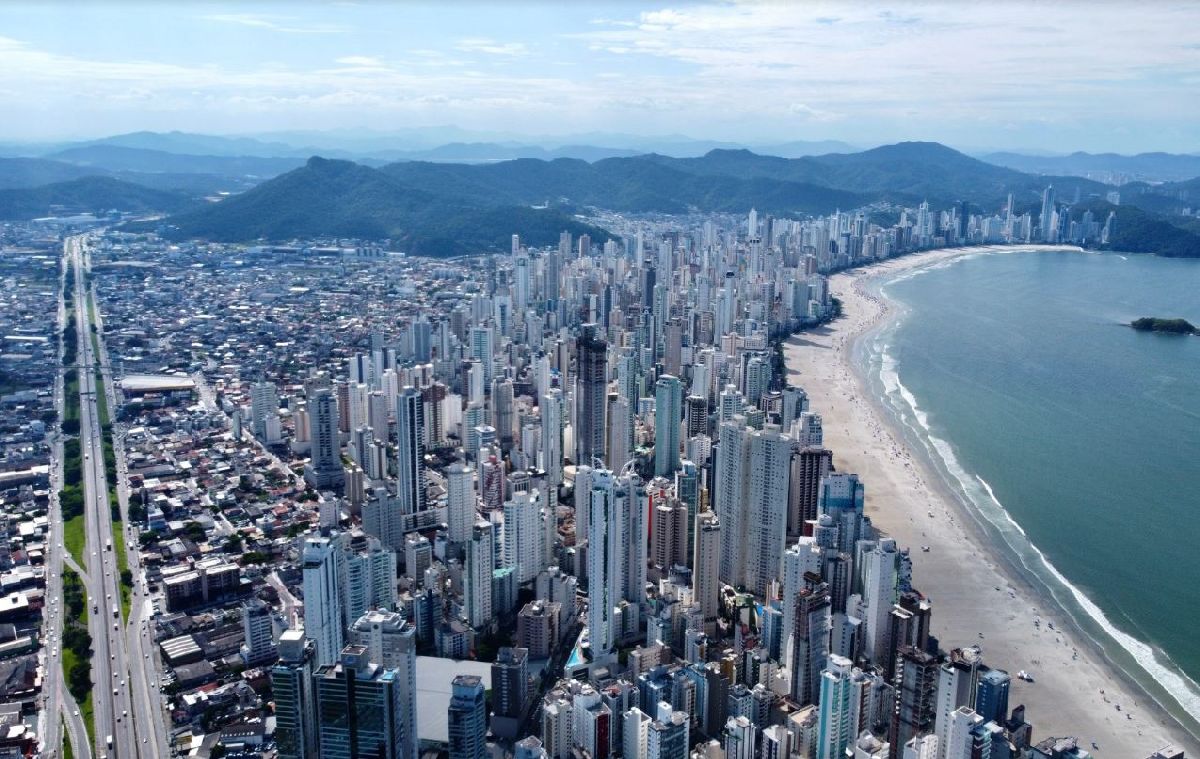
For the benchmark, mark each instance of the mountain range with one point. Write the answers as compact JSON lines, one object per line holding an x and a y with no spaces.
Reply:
{"x":443,"y":208}
{"x":1106,"y":167}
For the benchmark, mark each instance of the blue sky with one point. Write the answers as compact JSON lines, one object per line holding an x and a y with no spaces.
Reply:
{"x":1055,"y":76}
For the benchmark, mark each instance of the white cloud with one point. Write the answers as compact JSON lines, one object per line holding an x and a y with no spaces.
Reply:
{"x":492,"y":47}
{"x":814,"y":114}
{"x":273,"y":23}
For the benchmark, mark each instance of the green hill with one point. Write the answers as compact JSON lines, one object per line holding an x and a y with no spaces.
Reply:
{"x":88,"y":195}
{"x":637,"y":185}
{"x":344,"y":199}
{"x":906,"y":171}
{"x":21,"y":173}
{"x":1138,"y":231}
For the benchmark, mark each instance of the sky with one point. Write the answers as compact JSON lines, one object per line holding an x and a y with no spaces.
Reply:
{"x":1054,"y":76}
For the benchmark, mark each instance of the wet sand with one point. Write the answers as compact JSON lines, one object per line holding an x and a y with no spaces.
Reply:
{"x":977,"y":600}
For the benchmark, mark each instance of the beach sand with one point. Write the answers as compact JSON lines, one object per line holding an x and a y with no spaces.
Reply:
{"x":959,"y":574}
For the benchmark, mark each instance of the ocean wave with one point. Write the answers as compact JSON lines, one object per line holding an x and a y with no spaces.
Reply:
{"x":978,"y":493}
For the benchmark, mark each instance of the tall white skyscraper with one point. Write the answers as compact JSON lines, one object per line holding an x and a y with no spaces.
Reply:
{"x":616,"y":555}
{"x":358,"y":406}
{"x":410,"y":450}
{"x":264,"y":406}
{"x":460,"y":502}
{"x":552,"y":409}
{"x":729,"y":481}
{"x":880,"y":572}
{"x":706,"y":582}
{"x":766,"y":499}
{"x":323,"y":603}
{"x":481,"y":562}
{"x":620,"y":432}
{"x":523,"y":535}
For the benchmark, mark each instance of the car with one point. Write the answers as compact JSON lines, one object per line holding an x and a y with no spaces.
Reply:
{"x":76,"y":712}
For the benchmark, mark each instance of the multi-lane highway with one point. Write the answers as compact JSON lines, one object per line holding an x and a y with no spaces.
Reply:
{"x":126,"y":707}
{"x":59,"y":706}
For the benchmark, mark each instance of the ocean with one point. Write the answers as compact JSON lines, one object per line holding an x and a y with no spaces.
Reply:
{"x":1073,"y":439}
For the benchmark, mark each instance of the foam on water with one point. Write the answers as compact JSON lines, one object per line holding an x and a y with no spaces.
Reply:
{"x":984,"y":504}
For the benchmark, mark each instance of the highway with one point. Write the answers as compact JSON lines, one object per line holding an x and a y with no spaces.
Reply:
{"x":150,"y":716}
{"x":125,"y":706}
{"x":58,"y":706}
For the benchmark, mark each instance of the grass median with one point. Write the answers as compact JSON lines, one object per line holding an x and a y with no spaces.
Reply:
{"x":77,"y":647}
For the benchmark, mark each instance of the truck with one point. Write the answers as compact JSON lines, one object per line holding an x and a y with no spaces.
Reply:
{"x":108,"y":742}
{"x":116,"y":611}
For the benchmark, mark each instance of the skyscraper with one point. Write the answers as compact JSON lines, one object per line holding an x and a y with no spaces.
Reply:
{"x":264,"y":409}
{"x":466,"y":718}
{"x":410,"y":451}
{"x":1046,"y":221}
{"x":391,"y":642}
{"x":729,"y":480}
{"x":359,"y":709}
{"x":766,"y":499}
{"x":616,"y":556}
{"x":706,"y":583}
{"x":836,"y":723}
{"x":591,"y":390}
{"x":809,"y":466}
{"x":460,"y":502}
{"x":916,"y":695}
{"x":325,"y":471}
{"x":551,"y":410}
{"x":323,"y":574}
{"x":478,"y":577}
{"x":810,"y":641}
{"x":295,"y":697}
{"x":523,"y":536}
{"x":668,"y":403}
{"x":880,"y":573}
{"x":510,"y":691}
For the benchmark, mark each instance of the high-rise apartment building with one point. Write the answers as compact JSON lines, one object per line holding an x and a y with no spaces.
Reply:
{"x":410,"y":451}
{"x":359,"y":709}
{"x":591,"y":392}
{"x":324,"y":470}
{"x":668,"y":409}
{"x":466,"y":718}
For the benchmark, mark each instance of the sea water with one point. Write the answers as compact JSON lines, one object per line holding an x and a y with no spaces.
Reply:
{"x":1073,"y":439}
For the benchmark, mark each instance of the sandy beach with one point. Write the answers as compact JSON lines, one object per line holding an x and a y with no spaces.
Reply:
{"x":1076,"y":693}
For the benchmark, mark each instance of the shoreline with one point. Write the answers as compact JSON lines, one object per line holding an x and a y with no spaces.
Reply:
{"x":980,"y":595}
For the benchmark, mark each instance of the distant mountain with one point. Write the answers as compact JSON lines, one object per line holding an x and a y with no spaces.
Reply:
{"x":17,"y":173}
{"x":638,"y":185}
{"x":908,"y":171}
{"x":88,"y":195}
{"x":186,"y":143}
{"x":344,"y":199}
{"x":120,"y":158}
{"x":487,"y":152}
{"x":444,"y":208}
{"x":1105,"y":167}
